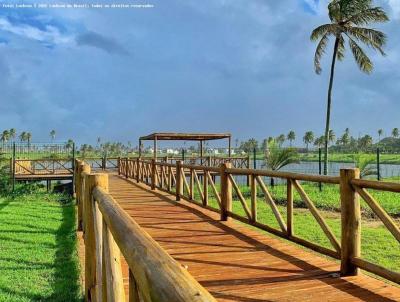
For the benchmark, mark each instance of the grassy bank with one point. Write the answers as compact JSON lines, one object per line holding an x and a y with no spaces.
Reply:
{"x":38,"y":257}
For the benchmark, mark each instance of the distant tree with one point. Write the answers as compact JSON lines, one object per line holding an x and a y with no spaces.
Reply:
{"x":278,"y":158}
{"x":69,"y":144}
{"x":281,"y":139}
{"x":319,"y":141}
{"x":291,"y":137}
{"x":380,"y":133}
{"x":347,"y":21}
{"x":308,"y":138}
{"x":13,"y":134}
{"x":28,"y":138}
{"x":236,"y":143}
{"x":395,"y":132}
{"x":5,"y":136}
{"x":345,"y":138}
{"x":22,"y":136}
{"x":365,"y":141}
{"x":347,"y":131}
{"x":332,"y":136}
{"x":53,"y":135}
{"x":264,"y":145}
{"x":249,"y":145}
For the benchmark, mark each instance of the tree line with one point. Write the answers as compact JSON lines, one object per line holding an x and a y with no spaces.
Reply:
{"x":345,"y":141}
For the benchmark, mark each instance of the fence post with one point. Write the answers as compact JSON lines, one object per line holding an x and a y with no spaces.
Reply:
{"x":378,"y":163}
{"x":226,"y":192}
{"x":91,"y":181}
{"x":320,"y":167}
{"x":351,"y":222}
{"x":153,"y":174}
{"x":13,"y":168}
{"x":179,"y":180}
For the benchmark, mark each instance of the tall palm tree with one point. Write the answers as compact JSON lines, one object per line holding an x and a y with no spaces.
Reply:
{"x":380,"y":133}
{"x":395,"y":132}
{"x":291,"y":137}
{"x":348,"y":18}
{"x":53,"y":135}
{"x":22,"y":136}
{"x":308,"y":138}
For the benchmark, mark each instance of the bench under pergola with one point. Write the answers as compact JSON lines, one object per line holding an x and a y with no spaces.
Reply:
{"x":199,"y":137}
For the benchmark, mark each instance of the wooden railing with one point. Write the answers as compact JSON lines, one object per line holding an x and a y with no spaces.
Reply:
{"x":109,"y":231}
{"x":185,"y":180}
{"x":213,"y":161}
{"x":43,"y":166}
{"x":102,"y":163}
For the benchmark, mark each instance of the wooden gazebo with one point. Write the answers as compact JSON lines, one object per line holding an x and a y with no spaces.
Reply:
{"x":200,"y":137}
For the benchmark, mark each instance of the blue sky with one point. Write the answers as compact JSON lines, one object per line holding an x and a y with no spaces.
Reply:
{"x":239,"y":66}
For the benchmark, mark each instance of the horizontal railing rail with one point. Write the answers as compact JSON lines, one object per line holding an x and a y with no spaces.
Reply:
{"x":198,"y":184}
{"x":108,"y":231}
{"x":43,"y":166}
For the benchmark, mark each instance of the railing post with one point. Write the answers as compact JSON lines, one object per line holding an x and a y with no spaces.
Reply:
{"x":351,"y":222}
{"x":138,"y":170}
{"x":83,"y":169}
{"x":289,"y":207}
{"x":114,"y":282}
{"x":191,"y":184}
{"x":205,"y":188}
{"x":179,"y":180}
{"x":153,"y":174}
{"x":91,"y":181}
{"x":253,"y":188}
{"x":226,"y":192}
{"x":119,"y":165}
{"x":126,"y":168}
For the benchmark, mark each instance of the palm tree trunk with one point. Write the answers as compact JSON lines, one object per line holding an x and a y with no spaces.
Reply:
{"x":328,"y":107}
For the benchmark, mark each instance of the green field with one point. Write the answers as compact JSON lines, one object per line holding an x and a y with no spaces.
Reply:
{"x":38,"y":256}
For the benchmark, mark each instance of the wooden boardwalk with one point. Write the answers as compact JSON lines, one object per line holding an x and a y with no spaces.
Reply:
{"x":236,"y":263}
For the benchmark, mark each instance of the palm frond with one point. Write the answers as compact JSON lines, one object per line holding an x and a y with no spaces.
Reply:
{"x":369,"y":15}
{"x":322,"y":30}
{"x":278,"y":158}
{"x":371,"y":37}
{"x":341,"y":48}
{"x":319,"y":51}
{"x":363,"y":62}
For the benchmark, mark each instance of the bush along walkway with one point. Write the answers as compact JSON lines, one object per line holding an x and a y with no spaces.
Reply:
{"x":38,"y":255}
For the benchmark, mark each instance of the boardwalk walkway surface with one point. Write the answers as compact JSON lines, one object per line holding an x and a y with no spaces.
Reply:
{"x":236,"y":263}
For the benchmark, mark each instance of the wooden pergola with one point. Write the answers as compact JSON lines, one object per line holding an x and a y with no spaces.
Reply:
{"x":199,"y":137}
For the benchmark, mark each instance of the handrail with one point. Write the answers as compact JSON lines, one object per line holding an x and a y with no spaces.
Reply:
{"x":183,"y":180}
{"x":108,"y":230}
{"x":158,"y":276}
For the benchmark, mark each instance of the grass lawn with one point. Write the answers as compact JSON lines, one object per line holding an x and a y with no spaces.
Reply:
{"x":38,"y":256}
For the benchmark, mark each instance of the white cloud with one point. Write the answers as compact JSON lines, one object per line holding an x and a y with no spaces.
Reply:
{"x":50,"y":35}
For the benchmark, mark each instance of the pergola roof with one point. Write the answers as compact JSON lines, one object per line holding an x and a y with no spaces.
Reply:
{"x":165,"y":136}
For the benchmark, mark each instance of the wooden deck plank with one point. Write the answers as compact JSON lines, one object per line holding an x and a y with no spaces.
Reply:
{"x":236,"y":263}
